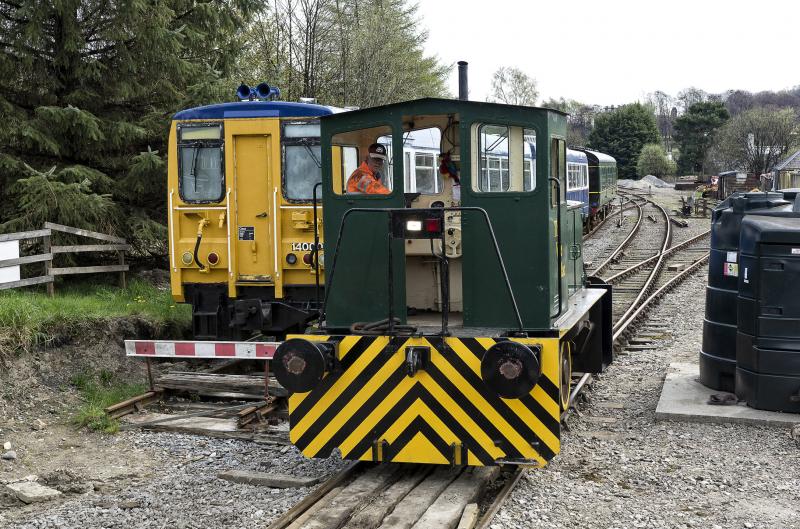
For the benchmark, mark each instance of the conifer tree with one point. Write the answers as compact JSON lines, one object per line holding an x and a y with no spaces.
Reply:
{"x":86,"y":91}
{"x":622,"y":133}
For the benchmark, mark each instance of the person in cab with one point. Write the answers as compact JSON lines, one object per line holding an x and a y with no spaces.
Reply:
{"x":367,"y":178}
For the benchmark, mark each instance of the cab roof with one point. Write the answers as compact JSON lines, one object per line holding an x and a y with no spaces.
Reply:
{"x":255,"y":109}
{"x":427,"y":104}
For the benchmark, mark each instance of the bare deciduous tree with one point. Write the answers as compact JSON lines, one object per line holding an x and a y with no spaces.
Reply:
{"x":663,"y":105}
{"x":757,"y":139}
{"x":512,"y":86}
{"x":580,"y":120}
{"x":344,"y":52}
{"x":689,"y":96}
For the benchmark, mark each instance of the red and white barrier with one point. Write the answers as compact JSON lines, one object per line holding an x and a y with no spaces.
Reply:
{"x":173,"y":349}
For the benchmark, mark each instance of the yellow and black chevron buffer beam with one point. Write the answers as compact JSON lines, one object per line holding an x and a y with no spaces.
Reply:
{"x":434,"y":400}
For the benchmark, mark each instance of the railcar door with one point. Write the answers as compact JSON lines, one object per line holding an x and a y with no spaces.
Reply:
{"x":255,"y":211}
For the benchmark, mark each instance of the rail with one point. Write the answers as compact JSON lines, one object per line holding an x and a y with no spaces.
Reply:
{"x":624,"y":243}
{"x":654,"y":273}
{"x":639,"y":306}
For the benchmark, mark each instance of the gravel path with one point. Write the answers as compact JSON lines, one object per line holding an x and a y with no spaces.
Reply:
{"x":620,"y":468}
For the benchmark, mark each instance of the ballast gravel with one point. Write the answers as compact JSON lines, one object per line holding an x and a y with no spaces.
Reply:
{"x":621,"y":468}
{"x":184,"y":492}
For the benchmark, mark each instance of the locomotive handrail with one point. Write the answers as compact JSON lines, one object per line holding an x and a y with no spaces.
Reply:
{"x":388,"y":211}
{"x":558,"y":241}
{"x":315,"y":253}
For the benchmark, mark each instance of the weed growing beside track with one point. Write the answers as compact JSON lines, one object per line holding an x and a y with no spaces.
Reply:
{"x":31,"y":318}
{"x":99,"y":391}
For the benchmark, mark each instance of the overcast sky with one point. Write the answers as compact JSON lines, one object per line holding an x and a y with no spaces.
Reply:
{"x":616,"y":51}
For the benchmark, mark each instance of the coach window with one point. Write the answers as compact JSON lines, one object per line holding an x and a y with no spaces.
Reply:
{"x":504,"y":158}
{"x":421,"y":149}
{"x":573,"y":176}
{"x":349,"y":152}
{"x":201,"y":175}
{"x":302,"y":168}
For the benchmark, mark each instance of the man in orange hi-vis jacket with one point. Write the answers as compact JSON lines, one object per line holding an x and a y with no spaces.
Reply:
{"x":365,"y":179}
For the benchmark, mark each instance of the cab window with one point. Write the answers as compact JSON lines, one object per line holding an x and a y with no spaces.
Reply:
{"x":201,"y":175}
{"x":350,"y":156}
{"x":558,"y":170}
{"x":505,"y":159}
{"x":302,"y":168}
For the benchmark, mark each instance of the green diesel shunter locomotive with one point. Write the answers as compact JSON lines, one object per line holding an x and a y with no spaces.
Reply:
{"x":453,"y":316}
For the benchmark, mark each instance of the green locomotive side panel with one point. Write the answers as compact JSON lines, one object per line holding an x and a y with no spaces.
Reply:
{"x":525,"y":233}
{"x":573,"y":248}
{"x":359,"y":291}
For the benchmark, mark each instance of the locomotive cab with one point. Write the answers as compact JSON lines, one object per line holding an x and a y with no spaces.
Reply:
{"x":452,"y":318}
{"x":429,"y":147}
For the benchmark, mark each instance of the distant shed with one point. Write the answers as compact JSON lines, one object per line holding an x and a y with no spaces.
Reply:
{"x":787,"y":172}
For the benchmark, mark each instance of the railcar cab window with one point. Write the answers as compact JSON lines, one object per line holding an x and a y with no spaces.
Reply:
{"x":359,"y":170}
{"x":302,"y":167}
{"x":201,"y":163}
{"x":504,"y":157}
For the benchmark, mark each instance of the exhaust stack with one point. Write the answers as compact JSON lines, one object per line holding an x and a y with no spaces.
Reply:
{"x":463,"y":86}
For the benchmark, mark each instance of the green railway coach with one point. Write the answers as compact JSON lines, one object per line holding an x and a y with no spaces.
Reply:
{"x":602,"y":182}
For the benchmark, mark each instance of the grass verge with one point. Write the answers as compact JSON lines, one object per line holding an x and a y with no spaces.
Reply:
{"x":28,"y":317}
{"x":98,"y":392}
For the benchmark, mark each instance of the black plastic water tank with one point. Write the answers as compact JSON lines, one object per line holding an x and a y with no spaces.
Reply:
{"x":718,"y":354}
{"x":768,"y":338}
{"x":790,"y":194}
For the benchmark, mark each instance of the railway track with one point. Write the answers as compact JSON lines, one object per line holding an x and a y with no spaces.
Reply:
{"x":646,"y":268}
{"x":616,"y":240}
{"x":392,"y":496}
{"x":642,"y":264}
{"x":616,"y":216}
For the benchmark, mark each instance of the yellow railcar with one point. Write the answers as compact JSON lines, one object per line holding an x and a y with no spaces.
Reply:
{"x":241,"y":178}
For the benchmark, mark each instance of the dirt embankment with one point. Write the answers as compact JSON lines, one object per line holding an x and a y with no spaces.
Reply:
{"x":79,"y":349}
{"x":38,"y":402}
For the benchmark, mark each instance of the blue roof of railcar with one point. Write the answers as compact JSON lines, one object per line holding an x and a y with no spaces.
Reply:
{"x":256,"y":109}
{"x":576,"y":156}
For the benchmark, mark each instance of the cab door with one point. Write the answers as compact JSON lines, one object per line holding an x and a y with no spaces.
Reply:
{"x":255,"y":198}
{"x":522,"y":215}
